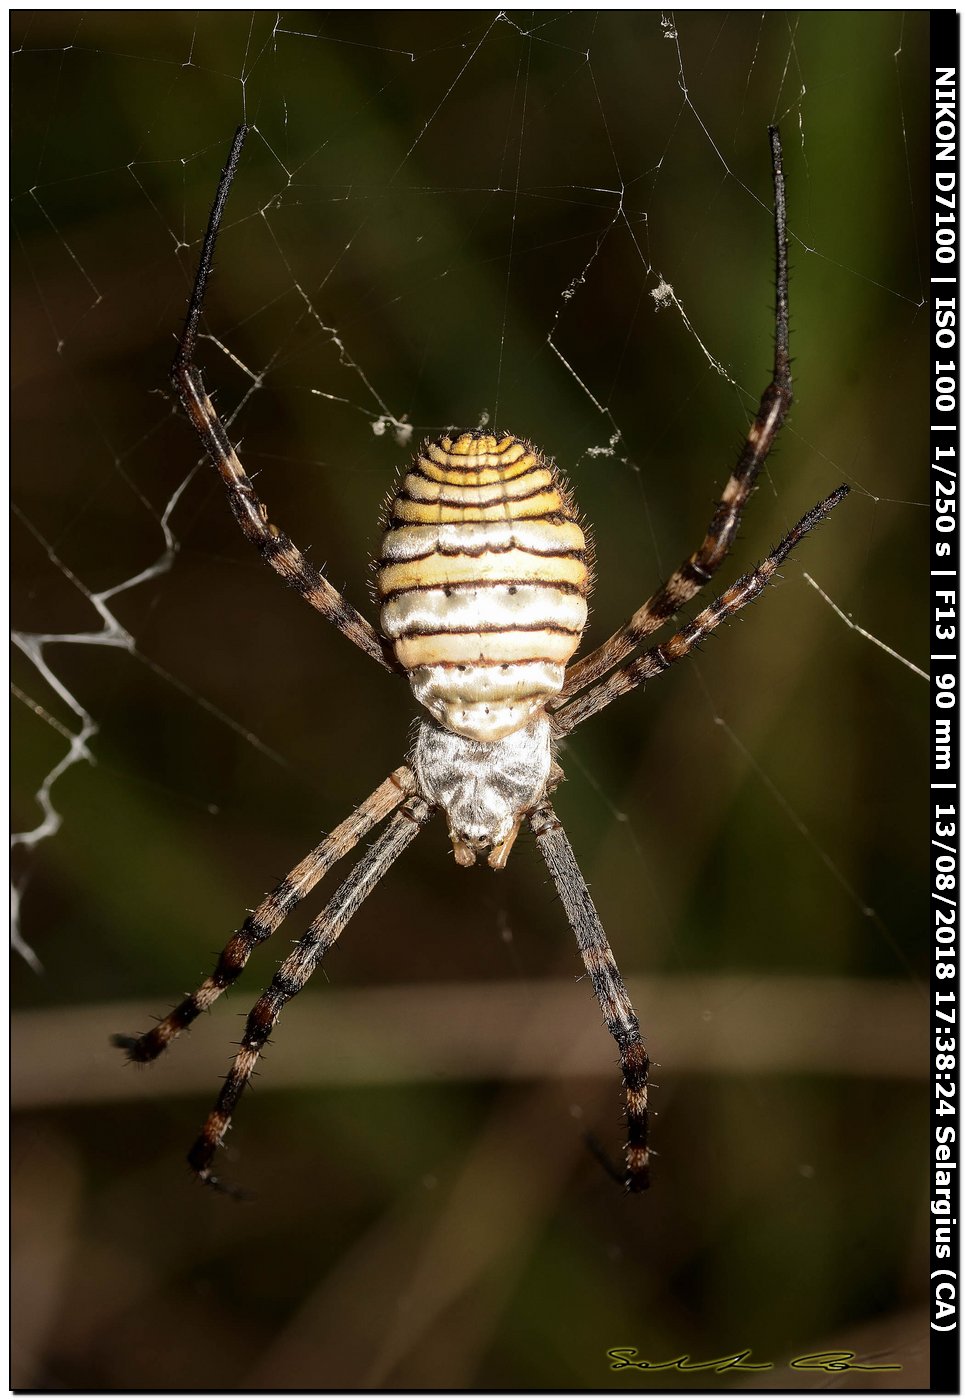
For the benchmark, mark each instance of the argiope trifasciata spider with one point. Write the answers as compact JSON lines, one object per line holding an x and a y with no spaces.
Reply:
{"x":483,"y":580}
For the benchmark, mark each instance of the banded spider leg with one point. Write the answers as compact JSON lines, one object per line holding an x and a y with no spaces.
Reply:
{"x":295,"y":971}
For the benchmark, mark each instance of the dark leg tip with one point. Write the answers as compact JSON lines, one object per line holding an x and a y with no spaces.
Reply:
{"x":199,"y":1160}
{"x":138,"y":1048}
{"x":633,"y":1181}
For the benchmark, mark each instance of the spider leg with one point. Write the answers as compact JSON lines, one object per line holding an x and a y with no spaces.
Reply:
{"x":252,"y":515}
{"x":682,"y":643}
{"x":687,"y":581}
{"x":264,"y":920}
{"x":295,"y":971}
{"x":621,"y":1020}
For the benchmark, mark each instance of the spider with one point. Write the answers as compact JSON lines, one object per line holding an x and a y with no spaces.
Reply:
{"x":483,"y":580}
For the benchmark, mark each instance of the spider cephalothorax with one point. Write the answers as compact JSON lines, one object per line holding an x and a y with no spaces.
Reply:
{"x":482,"y":579}
{"x":484,"y":789}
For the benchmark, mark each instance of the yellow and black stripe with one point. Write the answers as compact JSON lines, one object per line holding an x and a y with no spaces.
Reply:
{"x":483,"y":578}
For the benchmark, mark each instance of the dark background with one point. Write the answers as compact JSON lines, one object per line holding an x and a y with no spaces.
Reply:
{"x":440,"y":216}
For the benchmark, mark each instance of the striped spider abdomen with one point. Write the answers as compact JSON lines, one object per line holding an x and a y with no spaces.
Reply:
{"x":483,"y":578}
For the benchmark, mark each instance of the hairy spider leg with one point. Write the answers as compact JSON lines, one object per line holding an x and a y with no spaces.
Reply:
{"x":621,"y":1020}
{"x":250,"y":512}
{"x":682,"y":643}
{"x":697,"y":570}
{"x":295,"y":971}
{"x":271,"y":912}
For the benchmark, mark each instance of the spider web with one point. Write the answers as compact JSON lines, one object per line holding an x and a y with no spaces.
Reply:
{"x":554,"y":223}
